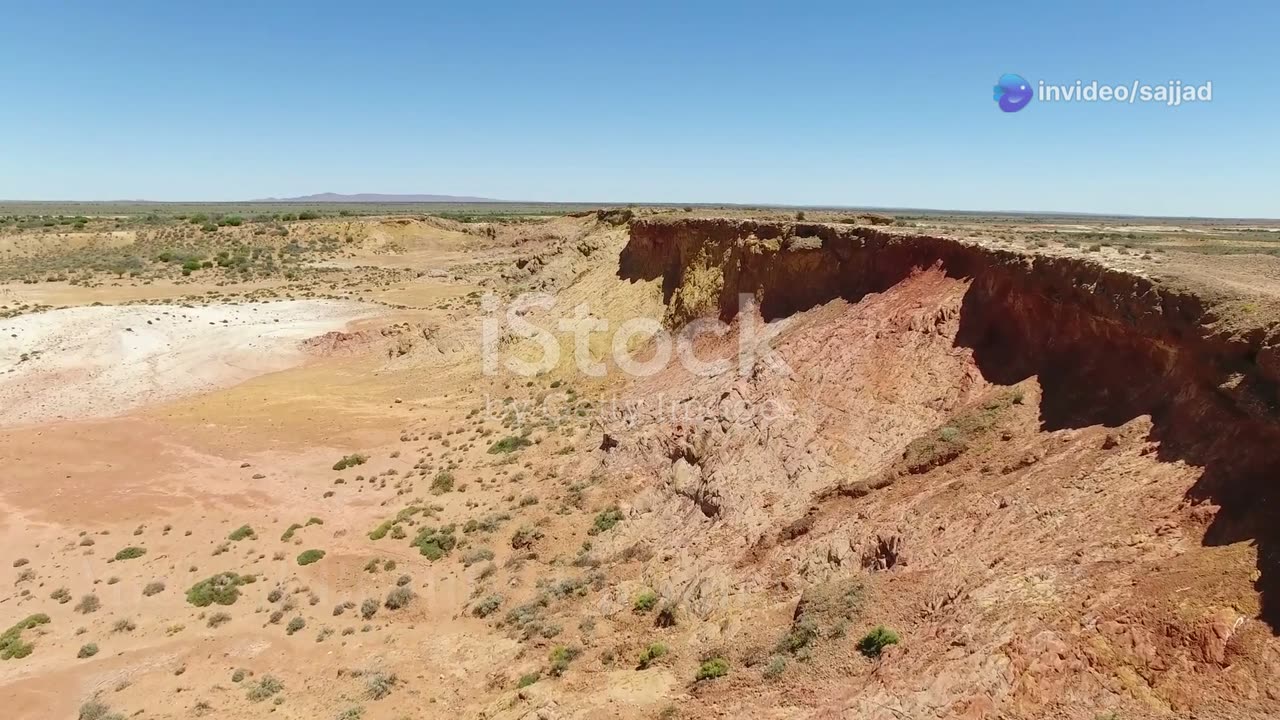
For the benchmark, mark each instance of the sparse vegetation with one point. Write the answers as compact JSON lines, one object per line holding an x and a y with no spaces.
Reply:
{"x":712,"y":669}
{"x":130,"y":553}
{"x":651,"y":654}
{"x":442,"y":483}
{"x":509,"y":444}
{"x":875,"y":641}
{"x":241,"y":533}
{"x":264,"y":688}
{"x":221,"y":589}
{"x":645,"y":601}
{"x":350,"y":461}
{"x":88,"y":603}
{"x":309,"y":556}
{"x":11,"y":644}
{"x":606,"y":519}
{"x":398,"y":598}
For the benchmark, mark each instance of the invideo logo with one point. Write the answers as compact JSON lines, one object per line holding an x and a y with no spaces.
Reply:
{"x":1013,"y":92}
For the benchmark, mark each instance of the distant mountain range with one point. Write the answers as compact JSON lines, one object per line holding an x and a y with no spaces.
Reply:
{"x":377,"y":198}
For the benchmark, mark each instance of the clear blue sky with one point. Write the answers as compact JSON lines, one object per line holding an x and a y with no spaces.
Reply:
{"x":870,"y":104}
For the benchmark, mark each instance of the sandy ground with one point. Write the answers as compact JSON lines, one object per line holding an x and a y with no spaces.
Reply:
{"x":100,"y":361}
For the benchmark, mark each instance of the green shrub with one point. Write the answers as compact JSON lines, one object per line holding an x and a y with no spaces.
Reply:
{"x":605,"y":520}
{"x":288,"y":533}
{"x":651,"y":654}
{"x":350,"y":461}
{"x":645,"y":601}
{"x":222,"y":589}
{"x":88,"y":603}
{"x":874,"y":642}
{"x":267,"y":686}
{"x":240,"y":533}
{"x":309,"y":556}
{"x":295,"y":625}
{"x":712,"y":669}
{"x":442,"y":483}
{"x":87,"y":650}
{"x":528,"y":679}
{"x":509,"y":444}
{"x":11,"y":645}
{"x":435,"y":543}
{"x":130,"y":553}
{"x":560,"y":658}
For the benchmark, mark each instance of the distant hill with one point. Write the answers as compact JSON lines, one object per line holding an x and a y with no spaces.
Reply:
{"x":377,"y":198}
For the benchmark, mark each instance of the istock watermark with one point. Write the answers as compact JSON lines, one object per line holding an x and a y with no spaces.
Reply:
{"x":661,"y":347}
{"x":1013,"y":92}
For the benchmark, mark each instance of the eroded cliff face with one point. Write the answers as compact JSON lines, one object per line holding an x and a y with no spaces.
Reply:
{"x":1056,"y":477}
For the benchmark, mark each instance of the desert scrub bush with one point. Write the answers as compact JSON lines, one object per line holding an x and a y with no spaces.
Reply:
{"x":350,"y":461}
{"x":777,"y":666}
{"x":509,"y":444}
{"x":442,"y":482}
{"x":222,"y":589}
{"x":20,"y":562}
{"x":354,"y":712}
{"x":605,"y":520}
{"x":130,"y":553}
{"x":560,"y":657}
{"x":947,"y":442}
{"x":153,"y":588}
{"x":486,"y":524}
{"x":124,"y":625}
{"x":368,"y":608}
{"x":264,"y":688}
{"x":823,"y":607}
{"x":309,"y":556}
{"x":241,"y":533}
{"x":487,"y":606}
{"x":528,"y":679}
{"x":651,"y":655}
{"x":95,"y":709}
{"x":288,"y":533}
{"x":398,"y":598}
{"x":378,"y":684}
{"x":525,"y":537}
{"x":87,"y":650}
{"x":875,"y":641}
{"x":295,"y":625}
{"x":645,"y":601}
{"x":474,"y":555}
{"x":62,"y":595}
{"x":88,"y":603}
{"x":218,"y":618}
{"x":11,"y":645}
{"x":714,"y":668}
{"x":435,"y":543}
